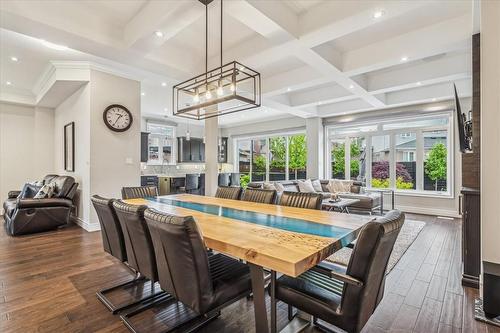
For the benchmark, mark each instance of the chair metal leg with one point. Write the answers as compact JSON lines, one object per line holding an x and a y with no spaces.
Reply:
{"x":115,"y":309}
{"x":290,"y":312}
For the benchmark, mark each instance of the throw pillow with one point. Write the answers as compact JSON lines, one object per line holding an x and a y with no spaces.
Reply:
{"x":46,"y":191}
{"x":317,"y":185}
{"x":335,"y":186}
{"x":346,"y":185}
{"x":305,"y":186}
{"x":268,"y":186}
{"x":279,"y":187}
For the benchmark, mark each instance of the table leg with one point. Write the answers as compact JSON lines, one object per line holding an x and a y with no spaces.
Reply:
{"x":259,"y":298}
{"x":273,"y":302}
{"x":392,"y":200}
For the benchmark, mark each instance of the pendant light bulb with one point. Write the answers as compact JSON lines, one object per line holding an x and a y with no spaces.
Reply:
{"x":232,"y":87}
{"x":208,"y":94}
{"x":196,"y":97}
{"x":220,"y":91}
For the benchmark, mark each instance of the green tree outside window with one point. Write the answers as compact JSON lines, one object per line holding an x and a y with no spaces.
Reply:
{"x":436,"y":164}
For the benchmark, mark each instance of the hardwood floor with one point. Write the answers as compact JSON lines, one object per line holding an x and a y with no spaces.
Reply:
{"x":48,"y":283}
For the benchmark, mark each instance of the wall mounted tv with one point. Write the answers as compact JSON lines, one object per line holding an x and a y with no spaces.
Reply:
{"x":464,"y":125}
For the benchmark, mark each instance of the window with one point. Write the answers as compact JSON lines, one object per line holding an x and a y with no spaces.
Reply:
{"x":297,"y":157}
{"x":277,"y":158}
{"x":405,"y":155}
{"x":160,"y":144}
{"x":259,"y":160}
{"x":435,"y":162}
{"x":381,"y":170}
{"x":273,"y":158}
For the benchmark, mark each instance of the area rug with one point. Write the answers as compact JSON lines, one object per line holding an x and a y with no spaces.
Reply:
{"x":406,"y":237}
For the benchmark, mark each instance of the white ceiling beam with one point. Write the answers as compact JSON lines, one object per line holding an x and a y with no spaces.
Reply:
{"x":343,"y":107}
{"x":335,"y":19}
{"x":169,"y":17}
{"x":319,"y":95}
{"x":446,"y":36}
{"x":281,"y":107}
{"x":253,"y":15}
{"x":450,"y":67}
{"x":290,"y":80}
{"x":428,"y":93}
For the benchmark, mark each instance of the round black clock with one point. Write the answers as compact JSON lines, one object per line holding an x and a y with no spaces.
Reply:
{"x":117,"y":117}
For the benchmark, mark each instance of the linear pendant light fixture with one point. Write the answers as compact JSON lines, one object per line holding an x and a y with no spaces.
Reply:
{"x":230,"y":88}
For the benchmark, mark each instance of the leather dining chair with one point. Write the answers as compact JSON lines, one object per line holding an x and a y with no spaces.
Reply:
{"x":227,"y":192}
{"x":135,"y":192}
{"x":342,"y":296}
{"x":138,"y":244}
{"x":301,"y":200}
{"x":180,"y":251}
{"x":259,"y":195}
{"x":114,"y":244}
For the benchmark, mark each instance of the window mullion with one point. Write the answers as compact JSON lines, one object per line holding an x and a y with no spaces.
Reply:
{"x":420,"y":160}
{"x":287,"y":173}
{"x":347,"y":158}
{"x":392,"y":161}
{"x":268,"y":155}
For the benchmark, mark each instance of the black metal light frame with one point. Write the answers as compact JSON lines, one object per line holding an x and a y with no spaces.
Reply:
{"x":232,"y":74}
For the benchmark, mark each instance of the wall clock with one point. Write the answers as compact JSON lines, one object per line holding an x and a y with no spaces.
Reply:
{"x":117,"y":117}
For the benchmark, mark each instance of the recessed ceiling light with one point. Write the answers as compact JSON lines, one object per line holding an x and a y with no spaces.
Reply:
{"x":159,"y":34}
{"x":434,"y":99}
{"x":319,"y":103}
{"x":8,"y":83}
{"x":351,"y":86}
{"x":405,"y":58}
{"x":165,"y":109}
{"x":143,"y":93}
{"x":53,"y":46}
{"x":163,"y":84}
{"x":419,"y":83}
{"x":378,"y":14}
{"x":288,"y":89}
{"x":14,"y":59}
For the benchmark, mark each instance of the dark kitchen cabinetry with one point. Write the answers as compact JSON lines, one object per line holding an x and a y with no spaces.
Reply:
{"x":149,"y":181}
{"x":144,"y":146}
{"x":190,"y":151}
{"x":194,"y":150}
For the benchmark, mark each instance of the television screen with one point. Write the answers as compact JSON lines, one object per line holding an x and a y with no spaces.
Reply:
{"x":464,"y":141}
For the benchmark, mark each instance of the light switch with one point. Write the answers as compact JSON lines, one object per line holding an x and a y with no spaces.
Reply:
{"x":129,"y":160}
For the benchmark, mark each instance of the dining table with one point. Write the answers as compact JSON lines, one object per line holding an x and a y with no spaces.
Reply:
{"x":269,"y":238}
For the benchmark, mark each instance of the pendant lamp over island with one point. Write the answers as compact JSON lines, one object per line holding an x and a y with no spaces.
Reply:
{"x":230,"y":88}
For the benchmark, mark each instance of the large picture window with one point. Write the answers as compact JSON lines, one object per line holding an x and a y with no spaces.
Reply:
{"x":273,"y":158}
{"x":405,"y":155}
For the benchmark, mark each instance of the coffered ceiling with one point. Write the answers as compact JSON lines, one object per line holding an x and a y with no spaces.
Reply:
{"x":317,"y":58}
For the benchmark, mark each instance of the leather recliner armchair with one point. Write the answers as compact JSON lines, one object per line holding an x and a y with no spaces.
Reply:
{"x":27,"y":215}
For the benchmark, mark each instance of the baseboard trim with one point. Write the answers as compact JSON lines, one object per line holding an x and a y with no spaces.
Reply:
{"x":428,"y":211}
{"x":90,"y":227}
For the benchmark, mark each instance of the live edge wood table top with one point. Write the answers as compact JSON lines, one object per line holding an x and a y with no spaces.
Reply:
{"x":262,"y":234}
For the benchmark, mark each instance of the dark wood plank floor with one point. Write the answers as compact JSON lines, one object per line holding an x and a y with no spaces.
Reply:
{"x":48,"y":283}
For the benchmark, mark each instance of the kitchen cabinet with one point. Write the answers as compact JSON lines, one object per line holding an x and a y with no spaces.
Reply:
{"x":190,"y":151}
{"x":144,"y":146}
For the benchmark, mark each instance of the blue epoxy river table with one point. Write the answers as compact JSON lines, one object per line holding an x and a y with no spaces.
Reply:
{"x":287,"y":240}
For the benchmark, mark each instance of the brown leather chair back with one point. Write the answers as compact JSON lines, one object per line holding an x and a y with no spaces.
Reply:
{"x":259,"y":195}
{"x":368,"y":263}
{"x":111,"y":231}
{"x":48,"y":178}
{"x":63,"y":187}
{"x":183,"y":267}
{"x":301,"y":200}
{"x":138,"y":243}
{"x":139,"y":192}
{"x":227,"y":192}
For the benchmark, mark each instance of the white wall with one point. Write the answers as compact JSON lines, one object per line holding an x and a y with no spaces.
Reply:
{"x":75,"y":108}
{"x":26,"y":149}
{"x":114,"y":157}
{"x":490,"y":135}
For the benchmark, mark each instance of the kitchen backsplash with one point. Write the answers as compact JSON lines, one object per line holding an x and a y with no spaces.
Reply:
{"x":181,"y":168}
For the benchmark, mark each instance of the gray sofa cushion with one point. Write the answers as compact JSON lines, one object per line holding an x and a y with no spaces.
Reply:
{"x":366,"y":200}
